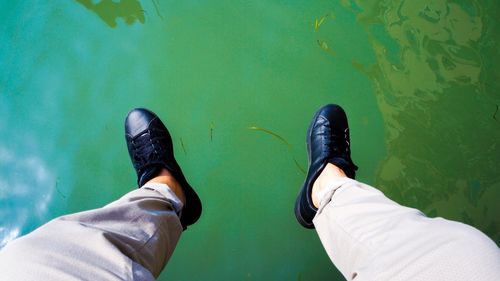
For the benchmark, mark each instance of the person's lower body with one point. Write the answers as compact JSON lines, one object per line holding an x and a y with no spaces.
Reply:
{"x":367,"y":236}
{"x":370,"y":237}
{"x":129,"y":239}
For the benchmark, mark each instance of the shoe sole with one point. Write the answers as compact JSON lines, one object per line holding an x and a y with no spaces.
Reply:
{"x":192,"y":209}
{"x":298,"y":206}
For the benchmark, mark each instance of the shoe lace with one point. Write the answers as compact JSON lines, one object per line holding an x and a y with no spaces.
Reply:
{"x":338,"y":145}
{"x":146,"y":146}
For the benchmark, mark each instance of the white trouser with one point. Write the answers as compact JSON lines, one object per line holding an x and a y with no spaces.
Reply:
{"x":370,"y":237}
{"x":129,"y":239}
{"x":367,"y":236}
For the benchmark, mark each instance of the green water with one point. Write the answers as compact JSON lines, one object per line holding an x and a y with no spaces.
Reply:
{"x":418,"y":80}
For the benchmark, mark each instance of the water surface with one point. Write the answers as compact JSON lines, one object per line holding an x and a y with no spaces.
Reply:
{"x":418,"y":80}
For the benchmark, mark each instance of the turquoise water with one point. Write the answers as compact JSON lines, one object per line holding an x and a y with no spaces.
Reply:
{"x":417,"y":79}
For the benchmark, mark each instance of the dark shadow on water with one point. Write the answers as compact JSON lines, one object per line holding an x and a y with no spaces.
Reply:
{"x":109,"y":11}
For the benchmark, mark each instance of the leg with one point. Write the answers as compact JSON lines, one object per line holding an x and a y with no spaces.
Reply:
{"x":129,"y":239}
{"x":369,"y":237}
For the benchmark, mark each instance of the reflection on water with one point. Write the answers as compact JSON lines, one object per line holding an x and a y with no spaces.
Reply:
{"x":25,"y":192}
{"x":283,"y":141}
{"x":109,"y":11}
{"x":435,"y":89}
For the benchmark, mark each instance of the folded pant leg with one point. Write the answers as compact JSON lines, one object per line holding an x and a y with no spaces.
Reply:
{"x":129,"y":239}
{"x":370,"y":237}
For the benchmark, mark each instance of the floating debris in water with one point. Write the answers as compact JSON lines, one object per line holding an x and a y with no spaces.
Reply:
{"x":58,"y":190}
{"x":109,"y":11}
{"x":318,"y":23}
{"x":495,"y":114}
{"x":271,"y":133}
{"x":325,"y":47}
{"x":284,"y":141}
{"x":298,"y":166}
{"x":323,"y":44}
{"x":183,"y":146}
{"x":157,"y":4}
{"x":212,"y":127}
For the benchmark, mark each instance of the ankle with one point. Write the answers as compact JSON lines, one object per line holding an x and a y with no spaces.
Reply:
{"x":329,"y":173}
{"x":166,"y":177}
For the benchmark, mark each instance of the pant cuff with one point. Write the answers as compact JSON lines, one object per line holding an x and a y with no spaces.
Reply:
{"x":325,"y":195}
{"x":166,"y":192}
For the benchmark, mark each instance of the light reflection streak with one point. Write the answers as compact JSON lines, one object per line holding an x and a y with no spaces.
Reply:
{"x":26,"y":189}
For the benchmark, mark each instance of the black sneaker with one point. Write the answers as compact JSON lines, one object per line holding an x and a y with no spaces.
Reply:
{"x":150,"y":149}
{"x":327,"y":142}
